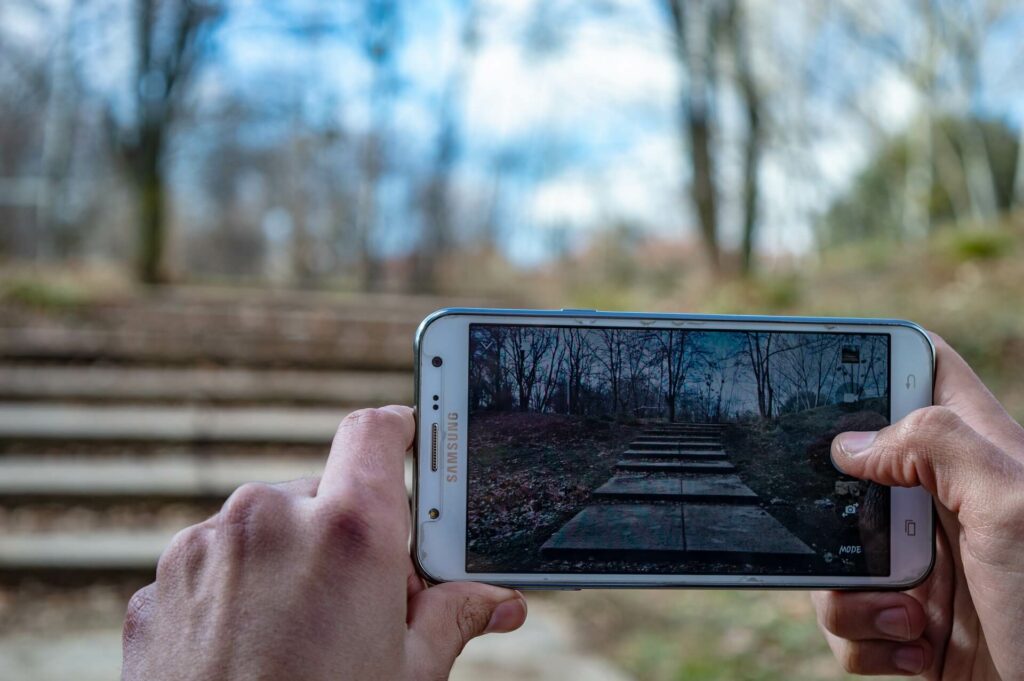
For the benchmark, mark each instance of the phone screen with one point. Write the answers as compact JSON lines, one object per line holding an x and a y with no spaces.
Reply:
{"x":631,"y":450}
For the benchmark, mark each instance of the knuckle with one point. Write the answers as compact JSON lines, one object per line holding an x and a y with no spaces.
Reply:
{"x":183,"y":555}
{"x":364,"y":418}
{"x":136,"y":615}
{"x":244,"y":504}
{"x":929,"y":422}
{"x":238,"y":517}
{"x":346,"y":529}
{"x":378,"y":421}
{"x":471,"y":618}
{"x":851,"y":657}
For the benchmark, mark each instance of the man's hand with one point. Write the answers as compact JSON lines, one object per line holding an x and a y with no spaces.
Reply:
{"x":966,"y":620}
{"x":311,"y":579}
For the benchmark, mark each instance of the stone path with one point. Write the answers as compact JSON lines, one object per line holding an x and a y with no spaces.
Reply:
{"x":710,"y":513}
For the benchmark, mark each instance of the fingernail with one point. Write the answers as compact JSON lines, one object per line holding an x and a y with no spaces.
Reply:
{"x":507,"y":616}
{"x":909,"y":659}
{"x":856,"y":442}
{"x":894,"y":622}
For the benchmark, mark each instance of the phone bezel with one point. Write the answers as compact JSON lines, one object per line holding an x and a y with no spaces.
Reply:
{"x":438,"y":545}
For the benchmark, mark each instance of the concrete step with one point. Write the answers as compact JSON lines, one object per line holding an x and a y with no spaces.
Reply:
{"x":691,"y":454}
{"x":179,"y":477}
{"x":658,"y":444}
{"x":168,"y":423}
{"x":385,"y":346}
{"x":113,"y":549}
{"x":676,"y":466}
{"x":684,"y":437}
{"x":110,"y":550}
{"x":112,"y":383}
{"x":643,"y":532}
{"x":706,"y":488}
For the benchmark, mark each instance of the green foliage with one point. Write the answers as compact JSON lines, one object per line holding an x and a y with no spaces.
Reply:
{"x":977,"y":244}
{"x":42,"y":294}
{"x":874,"y":207}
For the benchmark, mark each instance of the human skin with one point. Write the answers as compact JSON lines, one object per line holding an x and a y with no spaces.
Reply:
{"x":311,"y":579}
{"x":965,"y":621}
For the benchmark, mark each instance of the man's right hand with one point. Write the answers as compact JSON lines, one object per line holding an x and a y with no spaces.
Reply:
{"x":966,"y":621}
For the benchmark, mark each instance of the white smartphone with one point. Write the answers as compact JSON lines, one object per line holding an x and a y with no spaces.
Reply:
{"x":575,"y":448}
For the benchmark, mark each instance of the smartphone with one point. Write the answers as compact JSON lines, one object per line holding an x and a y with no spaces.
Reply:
{"x":576,"y":448}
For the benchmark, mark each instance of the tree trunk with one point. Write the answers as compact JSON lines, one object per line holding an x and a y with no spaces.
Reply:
{"x":695,"y":115}
{"x":738,"y":37}
{"x":1018,"y":179}
{"x":702,"y":188}
{"x":151,"y":196}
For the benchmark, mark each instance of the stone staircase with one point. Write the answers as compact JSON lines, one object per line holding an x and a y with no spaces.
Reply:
{"x":675,"y":496}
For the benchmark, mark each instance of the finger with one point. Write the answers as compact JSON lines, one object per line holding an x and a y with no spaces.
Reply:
{"x":137,"y":616}
{"x":859,"y":616}
{"x":367,"y":459}
{"x":931,"y":447}
{"x":881,"y":657}
{"x":444,"y":618}
{"x":960,"y":389}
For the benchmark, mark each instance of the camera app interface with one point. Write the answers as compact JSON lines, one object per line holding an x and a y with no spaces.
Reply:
{"x":632,"y":450}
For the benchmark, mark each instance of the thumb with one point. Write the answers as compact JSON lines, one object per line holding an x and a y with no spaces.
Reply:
{"x":931,"y":447}
{"x":445,"y":617}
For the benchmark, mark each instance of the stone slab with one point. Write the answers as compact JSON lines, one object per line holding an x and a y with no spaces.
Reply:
{"x":708,"y":488}
{"x":657,"y":444}
{"x":676,"y":466}
{"x":696,"y":455}
{"x":675,"y":531}
{"x":738,"y":529}
{"x":619,"y":527}
{"x":679,"y":436}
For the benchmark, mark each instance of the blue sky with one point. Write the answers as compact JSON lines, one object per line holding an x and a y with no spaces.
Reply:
{"x":591,"y":117}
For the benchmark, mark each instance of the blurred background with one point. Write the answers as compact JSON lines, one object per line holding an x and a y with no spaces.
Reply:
{"x":221,"y":221}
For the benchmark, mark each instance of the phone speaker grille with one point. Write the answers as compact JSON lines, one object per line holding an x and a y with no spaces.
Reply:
{"x":433,"y":448}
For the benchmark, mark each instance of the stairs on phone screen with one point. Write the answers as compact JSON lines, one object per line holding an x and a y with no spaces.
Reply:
{"x":675,"y":496}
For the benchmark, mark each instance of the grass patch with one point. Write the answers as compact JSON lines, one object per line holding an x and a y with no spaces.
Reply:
{"x":706,"y":635}
{"x":42,"y":295}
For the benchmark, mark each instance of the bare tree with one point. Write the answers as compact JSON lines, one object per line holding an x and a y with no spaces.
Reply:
{"x":736,"y":28}
{"x":673,"y":350}
{"x":550,"y":382}
{"x":577,"y":354}
{"x":609,"y":356}
{"x":526,"y":350}
{"x":170,"y":41}
{"x":695,"y":26}
{"x":759,"y":351}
